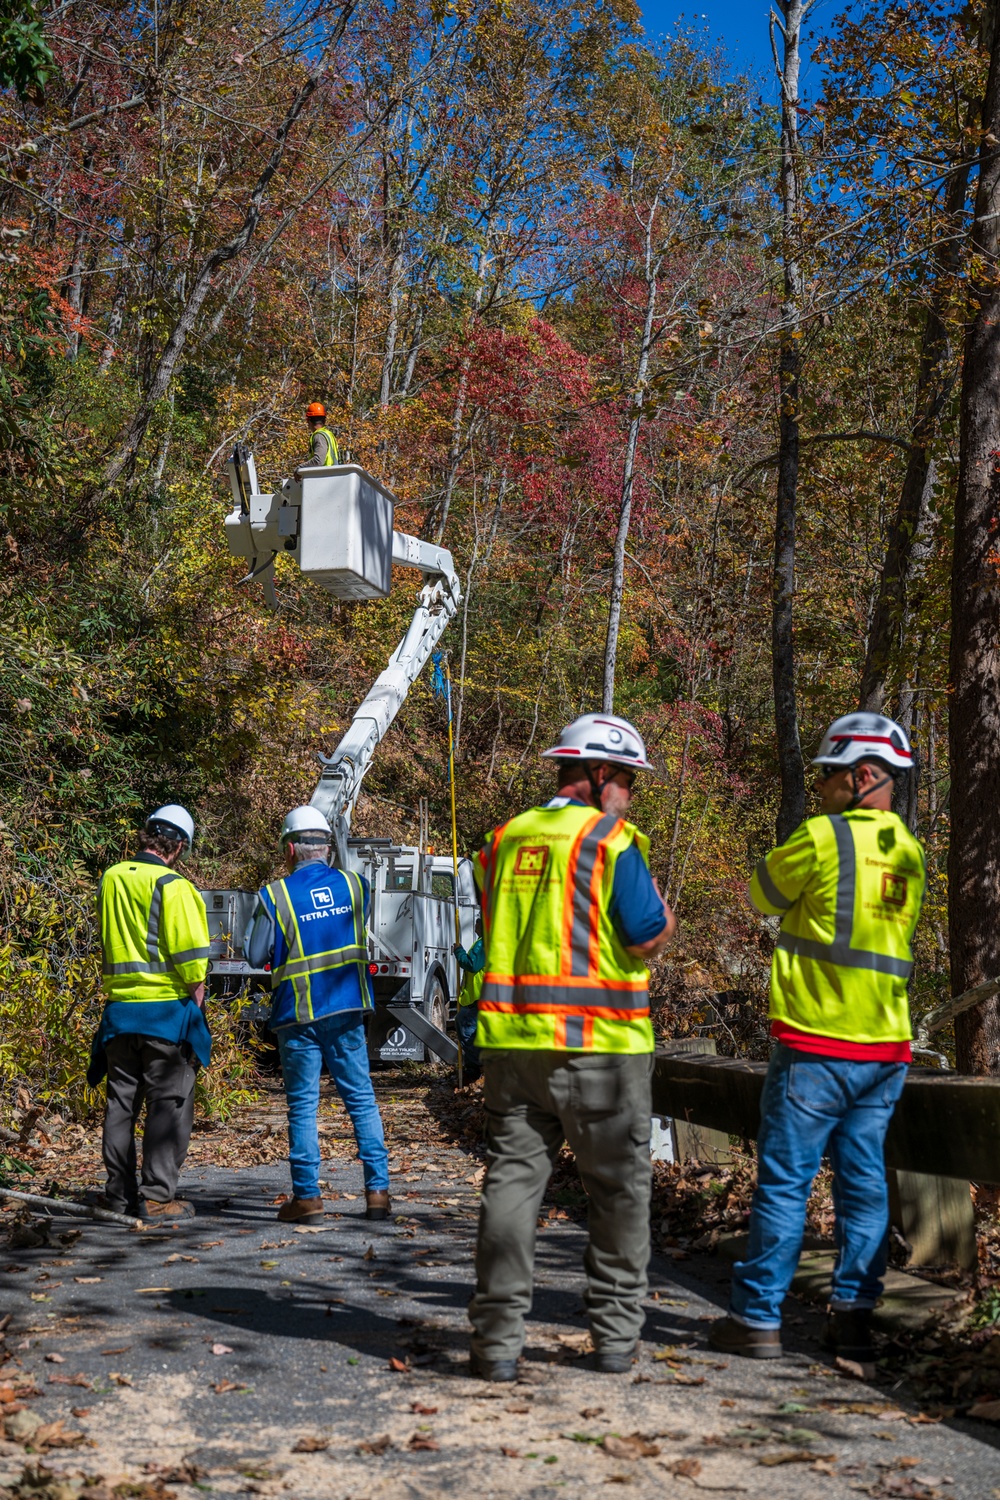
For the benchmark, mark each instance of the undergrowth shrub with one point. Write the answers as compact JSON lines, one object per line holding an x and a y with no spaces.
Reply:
{"x":51,"y":998}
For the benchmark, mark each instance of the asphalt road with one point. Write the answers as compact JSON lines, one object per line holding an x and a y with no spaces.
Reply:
{"x":226,"y":1342}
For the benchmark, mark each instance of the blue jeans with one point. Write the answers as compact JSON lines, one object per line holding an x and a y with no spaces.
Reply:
{"x":466,"y":1021}
{"x":339,"y":1041}
{"x":813,"y":1106}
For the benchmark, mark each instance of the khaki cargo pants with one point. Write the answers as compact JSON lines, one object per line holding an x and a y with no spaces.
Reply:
{"x":599,"y":1104}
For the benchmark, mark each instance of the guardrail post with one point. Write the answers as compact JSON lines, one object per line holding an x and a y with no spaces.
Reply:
{"x":693,"y":1141}
{"x":935,"y":1217}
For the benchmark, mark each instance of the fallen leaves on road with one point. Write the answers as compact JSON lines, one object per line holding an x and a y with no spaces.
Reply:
{"x":635,"y":1446}
{"x":221,"y":1349}
{"x":185,"y":1472}
{"x":146,"y":1291}
{"x":55,"y":1359}
{"x":81,"y":1380}
{"x":311,"y":1445}
{"x":795,"y":1456}
{"x":423,"y":1442}
{"x":399,"y":1365}
{"x":88,"y":1280}
{"x":223,"y":1387}
{"x":172,"y":1260}
{"x":119,"y":1378}
{"x":431,"y":1411}
{"x":375,"y":1445}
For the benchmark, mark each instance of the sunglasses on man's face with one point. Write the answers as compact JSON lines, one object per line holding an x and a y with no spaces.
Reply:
{"x":823,"y":773}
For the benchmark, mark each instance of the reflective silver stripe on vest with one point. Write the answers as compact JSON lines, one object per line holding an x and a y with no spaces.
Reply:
{"x":570,"y":997}
{"x":840,"y":951}
{"x":316,"y":963}
{"x":574,"y":1031}
{"x":586,"y":860}
{"x":190,"y":955}
{"x":769,"y":888}
{"x":155,"y":913}
{"x":136,"y":967}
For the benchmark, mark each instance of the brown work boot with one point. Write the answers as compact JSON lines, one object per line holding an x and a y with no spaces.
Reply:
{"x":175,"y":1208}
{"x":377,"y":1204}
{"x":731,"y":1337}
{"x":301,"y":1208}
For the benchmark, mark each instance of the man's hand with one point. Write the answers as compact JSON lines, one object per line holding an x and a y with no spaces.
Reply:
{"x":197,"y":993}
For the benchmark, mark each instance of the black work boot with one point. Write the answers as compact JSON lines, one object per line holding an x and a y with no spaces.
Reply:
{"x":731,"y":1337}
{"x":848,"y":1333}
{"x":615,"y":1361}
{"x":500,"y":1371}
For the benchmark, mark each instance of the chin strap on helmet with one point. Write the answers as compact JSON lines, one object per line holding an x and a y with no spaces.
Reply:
{"x":595,"y":785}
{"x":856,"y":799}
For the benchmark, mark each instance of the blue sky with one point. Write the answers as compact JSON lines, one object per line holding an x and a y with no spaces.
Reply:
{"x":740,"y":25}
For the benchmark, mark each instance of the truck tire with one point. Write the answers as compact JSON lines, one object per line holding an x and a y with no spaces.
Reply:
{"x":436,"y":1012}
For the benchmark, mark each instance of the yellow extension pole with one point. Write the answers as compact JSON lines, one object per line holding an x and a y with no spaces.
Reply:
{"x":454,"y":833}
{"x":454,"y":818}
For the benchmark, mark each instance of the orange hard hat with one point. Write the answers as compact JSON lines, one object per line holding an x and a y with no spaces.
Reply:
{"x":315,"y":409}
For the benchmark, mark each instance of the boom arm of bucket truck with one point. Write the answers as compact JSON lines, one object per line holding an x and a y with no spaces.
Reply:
{"x":337,"y":523}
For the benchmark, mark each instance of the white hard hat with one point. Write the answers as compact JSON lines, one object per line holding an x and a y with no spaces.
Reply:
{"x":602,"y":737}
{"x":177,"y":818}
{"x":865,"y":737}
{"x":304,"y":820}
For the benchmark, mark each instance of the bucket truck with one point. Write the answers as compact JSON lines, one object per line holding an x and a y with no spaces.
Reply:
{"x":337,"y":523}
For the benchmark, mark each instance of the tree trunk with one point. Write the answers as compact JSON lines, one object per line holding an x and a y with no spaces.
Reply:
{"x":792,"y":807}
{"x":909,"y":541}
{"x":974,"y":725}
{"x":652,"y":274}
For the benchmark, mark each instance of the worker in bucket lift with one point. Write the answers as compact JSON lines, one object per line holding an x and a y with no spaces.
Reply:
{"x":323,"y":450}
{"x":310,"y":927}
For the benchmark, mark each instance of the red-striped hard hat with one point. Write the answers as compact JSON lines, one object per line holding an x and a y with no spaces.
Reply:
{"x":865,"y":737}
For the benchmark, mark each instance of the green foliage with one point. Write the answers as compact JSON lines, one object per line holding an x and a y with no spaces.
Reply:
{"x":26,"y":61}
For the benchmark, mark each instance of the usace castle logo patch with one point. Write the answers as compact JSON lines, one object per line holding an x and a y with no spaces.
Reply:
{"x":531,"y":861}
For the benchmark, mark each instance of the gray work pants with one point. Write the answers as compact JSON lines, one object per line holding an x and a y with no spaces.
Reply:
{"x":145,"y":1068}
{"x":599,"y":1104}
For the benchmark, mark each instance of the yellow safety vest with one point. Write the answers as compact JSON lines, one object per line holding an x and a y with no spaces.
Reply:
{"x":471,"y":987}
{"x":154,"y":932}
{"x":332,"y":451}
{"x":558,"y":977}
{"x":850,"y":888}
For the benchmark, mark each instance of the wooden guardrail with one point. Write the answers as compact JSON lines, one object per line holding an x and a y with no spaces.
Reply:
{"x":944,"y":1125}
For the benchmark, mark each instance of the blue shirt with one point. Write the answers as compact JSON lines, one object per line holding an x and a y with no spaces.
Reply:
{"x":176,"y":1021}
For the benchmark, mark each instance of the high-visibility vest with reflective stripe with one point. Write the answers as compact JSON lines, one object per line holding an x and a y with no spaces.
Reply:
{"x":332,"y":451}
{"x":471,"y":987}
{"x":558,"y":976}
{"x":154,"y":932}
{"x":320,"y":956}
{"x":843,"y":955}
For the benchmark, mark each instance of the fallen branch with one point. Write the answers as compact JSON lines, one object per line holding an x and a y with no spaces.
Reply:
{"x":77,"y":1210}
{"x":949,"y":1009}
